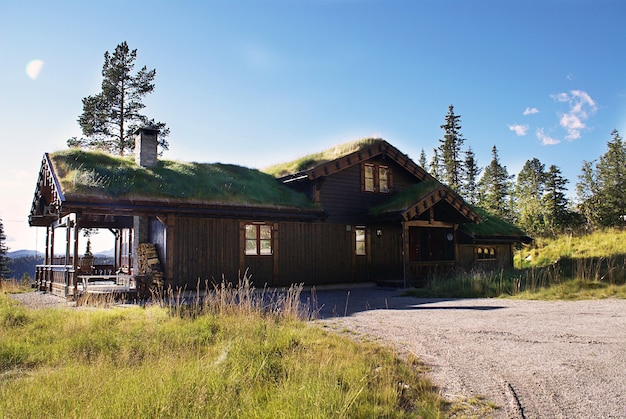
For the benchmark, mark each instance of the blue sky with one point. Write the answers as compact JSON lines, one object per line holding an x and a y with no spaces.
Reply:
{"x":261,"y":82}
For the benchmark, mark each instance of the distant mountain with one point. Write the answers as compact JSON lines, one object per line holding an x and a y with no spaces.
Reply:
{"x":23,"y":253}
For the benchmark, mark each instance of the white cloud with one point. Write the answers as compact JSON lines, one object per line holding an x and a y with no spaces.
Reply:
{"x":581,"y":107}
{"x":545,"y":138}
{"x":520,"y":130}
{"x":531,"y":111}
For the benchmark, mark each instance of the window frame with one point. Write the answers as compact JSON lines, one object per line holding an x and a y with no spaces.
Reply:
{"x":360,"y":241}
{"x":371,"y":179}
{"x":255,"y":233}
{"x":486,"y":253}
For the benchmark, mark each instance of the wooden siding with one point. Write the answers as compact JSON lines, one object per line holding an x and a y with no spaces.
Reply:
{"x":204,"y":249}
{"x":316,"y":253}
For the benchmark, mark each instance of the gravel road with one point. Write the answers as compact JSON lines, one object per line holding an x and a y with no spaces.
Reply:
{"x":533,"y":359}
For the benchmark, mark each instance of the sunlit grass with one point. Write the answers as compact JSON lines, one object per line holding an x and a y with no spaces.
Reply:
{"x":206,"y":360}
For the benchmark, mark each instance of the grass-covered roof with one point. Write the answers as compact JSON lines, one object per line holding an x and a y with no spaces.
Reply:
{"x":408,"y":197}
{"x":312,"y":160}
{"x":98,"y":174}
{"x":492,"y":225}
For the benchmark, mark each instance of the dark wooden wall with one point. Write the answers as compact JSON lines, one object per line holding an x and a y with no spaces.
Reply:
{"x":206,"y":249}
{"x":342,"y":199}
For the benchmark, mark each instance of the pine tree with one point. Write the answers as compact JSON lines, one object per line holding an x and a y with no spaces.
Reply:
{"x":450,"y":150}
{"x":494,"y":188}
{"x":529,"y":189}
{"x":4,"y":261}
{"x":555,"y":204}
{"x":110,"y":117}
{"x":471,"y":171}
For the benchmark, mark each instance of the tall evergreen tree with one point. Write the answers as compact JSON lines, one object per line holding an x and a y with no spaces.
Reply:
{"x":450,"y":150}
{"x":528,"y":190}
{"x":422,"y":160}
{"x":556,"y":212}
{"x":602,"y":189}
{"x":587,"y":193}
{"x":4,"y":261}
{"x":611,"y":176}
{"x":435,"y":165}
{"x":110,"y":117}
{"x":471,"y":172}
{"x":494,"y":188}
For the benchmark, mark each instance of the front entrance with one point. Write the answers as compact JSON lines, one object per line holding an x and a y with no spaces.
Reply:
{"x":430,"y":244}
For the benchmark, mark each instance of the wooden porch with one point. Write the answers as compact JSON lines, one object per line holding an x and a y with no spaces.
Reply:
{"x":68,"y":282}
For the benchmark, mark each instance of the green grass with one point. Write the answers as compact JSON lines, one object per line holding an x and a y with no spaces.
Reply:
{"x":311,"y":160}
{"x":587,"y":266}
{"x":210,"y":360}
{"x":100,"y":174}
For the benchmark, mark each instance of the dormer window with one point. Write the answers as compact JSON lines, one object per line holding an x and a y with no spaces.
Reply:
{"x":376,"y":178}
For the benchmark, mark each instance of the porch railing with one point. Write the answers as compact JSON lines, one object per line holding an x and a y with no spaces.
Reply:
{"x":55,"y":279}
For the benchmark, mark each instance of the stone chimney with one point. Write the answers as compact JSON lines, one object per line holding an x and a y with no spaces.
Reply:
{"x":146,"y":147}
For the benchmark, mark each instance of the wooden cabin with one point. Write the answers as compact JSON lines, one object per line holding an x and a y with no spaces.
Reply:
{"x":362,"y":212}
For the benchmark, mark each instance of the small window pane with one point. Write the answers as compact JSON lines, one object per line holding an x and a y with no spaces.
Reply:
{"x":266,"y":232}
{"x":251,"y":247}
{"x":360,"y":241}
{"x":382,"y":179}
{"x":251,"y":231}
{"x":369,"y":177}
{"x":266,"y":247}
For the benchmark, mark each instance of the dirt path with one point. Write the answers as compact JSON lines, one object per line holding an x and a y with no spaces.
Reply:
{"x":533,"y":359}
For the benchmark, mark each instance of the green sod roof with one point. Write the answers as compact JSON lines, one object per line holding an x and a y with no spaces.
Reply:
{"x":408,"y":197}
{"x":312,"y":160}
{"x":101,"y":175}
{"x":491,"y":225}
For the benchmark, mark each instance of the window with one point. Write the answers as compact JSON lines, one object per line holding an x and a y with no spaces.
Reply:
{"x":258,"y":239}
{"x":383,"y":181}
{"x":359,"y":241}
{"x":485,"y":253}
{"x":376,"y":178}
{"x":368,"y":177}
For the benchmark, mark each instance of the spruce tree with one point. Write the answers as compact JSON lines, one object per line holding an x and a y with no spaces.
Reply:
{"x":602,"y":188}
{"x":4,"y":261}
{"x":435,"y":165}
{"x":555,"y":204}
{"x":110,"y":117}
{"x":494,"y":188}
{"x":471,"y":171}
{"x":422,"y":161}
{"x":450,"y":150}
{"x":587,"y":193}
{"x":611,"y":176}
{"x":529,"y":189}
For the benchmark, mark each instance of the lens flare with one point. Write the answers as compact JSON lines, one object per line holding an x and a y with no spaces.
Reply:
{"x":33,"y":69}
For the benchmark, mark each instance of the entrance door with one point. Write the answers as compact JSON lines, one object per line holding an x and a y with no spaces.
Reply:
{"x":428,"y":244}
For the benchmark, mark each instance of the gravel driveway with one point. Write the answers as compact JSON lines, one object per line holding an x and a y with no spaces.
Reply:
{"x":533,"y":359}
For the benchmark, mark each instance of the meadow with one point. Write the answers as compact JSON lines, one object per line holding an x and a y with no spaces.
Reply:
{"x":237,"y":353}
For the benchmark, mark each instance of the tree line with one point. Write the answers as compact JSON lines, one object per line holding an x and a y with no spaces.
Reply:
{"x":536,"y":198}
